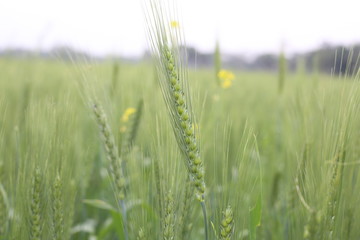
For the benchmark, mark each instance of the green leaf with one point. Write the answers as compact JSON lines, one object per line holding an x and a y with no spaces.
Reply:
{"x":86,"y":227}
{"x":118,"y":224}
{"x":117,"y":220}
{"x":106,"y":229}
{"x":213,"y":228}
{"x":100,"y":204}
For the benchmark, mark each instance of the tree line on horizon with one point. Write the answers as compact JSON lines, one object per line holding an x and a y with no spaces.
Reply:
{"x":332,"y":59}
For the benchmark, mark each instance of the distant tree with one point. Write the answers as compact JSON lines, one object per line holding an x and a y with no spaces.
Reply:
{"x":281,"y":71}
{"x":266,"y":62}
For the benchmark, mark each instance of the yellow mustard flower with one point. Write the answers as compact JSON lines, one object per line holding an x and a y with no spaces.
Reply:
{"x":226,"y":75}
{"x":174,"y":24}
{"x":128,"y":112}
{"x":226,"y":78}
{"x":226,"y":83}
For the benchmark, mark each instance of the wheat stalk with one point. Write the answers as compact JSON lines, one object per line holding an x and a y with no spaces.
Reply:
{"x":111,"y":151}
{"x":173,"y":81}
{"x":115,"y":162}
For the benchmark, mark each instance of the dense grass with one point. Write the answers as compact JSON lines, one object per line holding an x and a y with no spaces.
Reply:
{"x":254,"y":142}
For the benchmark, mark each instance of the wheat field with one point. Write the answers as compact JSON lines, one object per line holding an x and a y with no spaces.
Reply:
{"x":90,"y":150}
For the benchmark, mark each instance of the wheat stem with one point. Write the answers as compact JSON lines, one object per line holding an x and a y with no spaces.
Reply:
{"x":205,"y":219}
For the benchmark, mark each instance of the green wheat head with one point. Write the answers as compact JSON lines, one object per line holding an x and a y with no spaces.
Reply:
{"x":129,"y":139}
{"x":334,"y":195}
{"x":185,"y":224}
{"x":172,"y":74}
{"x":57,"y":209}
{"x":227,"y":224}
{"x":111,"y":150}
{"x":36,"y":220}
{"x":169,"y":218}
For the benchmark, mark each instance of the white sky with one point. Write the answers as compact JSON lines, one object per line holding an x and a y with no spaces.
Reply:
{"x":117,"y":26}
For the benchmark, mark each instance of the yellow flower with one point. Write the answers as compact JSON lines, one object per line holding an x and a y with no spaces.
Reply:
{"x":174,"y":24}
{"x":226,"y":83}
{"x":128,"y":112}
{"x":226,"y":75}
{"x":226,"y":78}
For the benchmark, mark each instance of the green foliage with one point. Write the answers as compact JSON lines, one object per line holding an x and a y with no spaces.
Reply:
{"x":309,"y":133}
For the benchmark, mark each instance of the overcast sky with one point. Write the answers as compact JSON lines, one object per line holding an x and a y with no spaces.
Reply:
{"x":117,"y":26}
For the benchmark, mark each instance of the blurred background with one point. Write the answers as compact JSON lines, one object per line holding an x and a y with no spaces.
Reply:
{"x":250,"y":33}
